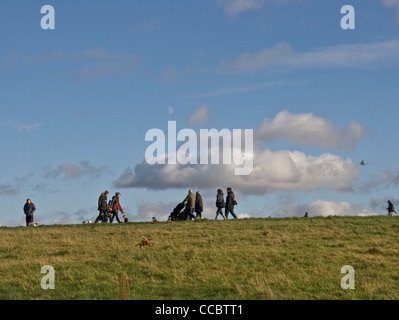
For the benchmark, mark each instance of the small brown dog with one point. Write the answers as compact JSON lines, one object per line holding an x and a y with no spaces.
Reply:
{"x":154,"y":219}
{"x":147,"y":241}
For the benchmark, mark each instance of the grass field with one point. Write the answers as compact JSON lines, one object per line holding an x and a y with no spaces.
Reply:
{"x":257,"y":259}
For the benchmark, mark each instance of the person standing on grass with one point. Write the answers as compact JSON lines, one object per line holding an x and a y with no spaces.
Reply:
{"x":220,"y":204}
{"x":102,"y":208}
{"x":29,"y":209}
{"x":230,"y":203}
{"x":390,"y":208}
{"x":199,"y":206}
{"x":116,"y":207}
{"x":190,"y":205}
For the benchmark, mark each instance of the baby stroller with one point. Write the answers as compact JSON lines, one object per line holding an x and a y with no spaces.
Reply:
{"x":178,"y":213}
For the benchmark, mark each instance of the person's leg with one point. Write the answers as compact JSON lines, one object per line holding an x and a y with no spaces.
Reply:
{"x":226,"y":213}
{"x":117,"y":218}
{"x":233,"y":214}
{"x":99,"y":218}
{"x":29,"y":219}
{"x":219,"y":211}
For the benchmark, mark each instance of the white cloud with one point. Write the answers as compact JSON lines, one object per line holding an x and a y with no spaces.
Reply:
{"x":392,"y":4}
{"x":323,"y":208}
{"x":385,"y":179}
{"x":157,"y":209}
{"x":70,"y":171}
{"x":29,"y":128}
{"x":236,"y":7}
{"x":201,"y":115}
{"x":22,"y":128}
{"x":7,"y":190}
{"x":170,"y":110}
{"x":226,"y":91}
{"x":283,"y":57}
{"x":273,"y":171}
{"x":84,"y":65}
{"x":308,"y":129}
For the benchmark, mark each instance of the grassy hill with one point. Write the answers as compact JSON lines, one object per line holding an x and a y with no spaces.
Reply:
{"x":293,"y":258}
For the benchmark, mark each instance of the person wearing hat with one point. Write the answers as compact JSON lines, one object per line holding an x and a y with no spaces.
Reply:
{"x":116,"y":207}
{"x":102,"y":207}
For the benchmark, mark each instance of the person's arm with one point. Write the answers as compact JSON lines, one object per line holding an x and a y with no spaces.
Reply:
{"x":119,"y":206}
{"x":33,"y":207}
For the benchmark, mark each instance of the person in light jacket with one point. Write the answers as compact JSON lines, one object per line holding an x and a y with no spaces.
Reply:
{"x":199,"y":206}
{"x":190,"y":204}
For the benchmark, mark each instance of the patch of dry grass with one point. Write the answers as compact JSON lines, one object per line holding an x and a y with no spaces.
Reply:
{"x":236,"y":259}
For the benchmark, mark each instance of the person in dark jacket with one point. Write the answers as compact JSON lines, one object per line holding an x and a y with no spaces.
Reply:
{"x":390,"y":208}
{"x":220,"y":204}
{"x":199,"y":206}
{"x":102,"y":208}
{"x":230,"y":203}
{"x":189,"y":201}
{"x":29,"y":209}
{"x":116,"y":207}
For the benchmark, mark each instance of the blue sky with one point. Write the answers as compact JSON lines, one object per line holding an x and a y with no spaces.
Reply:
{"x":77,"y":102}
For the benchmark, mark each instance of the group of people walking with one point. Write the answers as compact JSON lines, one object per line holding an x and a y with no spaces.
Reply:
{"x":109,"y":209}
{"x":195,"y":204}
{"x":228,"y":205}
